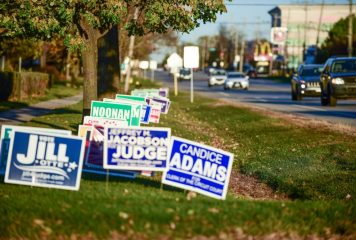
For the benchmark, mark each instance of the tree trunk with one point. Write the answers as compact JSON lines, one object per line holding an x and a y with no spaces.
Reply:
{"x":108,"y":64}
{"x":131,"y":47}
{"x":90,"y":64}
{"x":90,"y":89}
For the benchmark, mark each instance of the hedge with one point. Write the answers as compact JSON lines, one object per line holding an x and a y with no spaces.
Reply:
{"x":22,"y":85}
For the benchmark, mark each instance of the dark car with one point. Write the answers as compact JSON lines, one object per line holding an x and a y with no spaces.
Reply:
{"x":338,"y":80}
{"x":184,"y":74}
{"x":306,"y":81}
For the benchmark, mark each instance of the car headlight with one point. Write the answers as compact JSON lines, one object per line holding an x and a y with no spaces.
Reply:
{"x":302,"y":85}
{"x":213,"y":79}
{"x":338,"y":81}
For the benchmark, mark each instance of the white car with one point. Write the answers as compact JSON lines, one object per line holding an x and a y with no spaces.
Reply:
{"x":236,"y":80}
{"x":217,"y":77}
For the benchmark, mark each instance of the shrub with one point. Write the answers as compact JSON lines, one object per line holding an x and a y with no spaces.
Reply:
{"x":22,"y":86}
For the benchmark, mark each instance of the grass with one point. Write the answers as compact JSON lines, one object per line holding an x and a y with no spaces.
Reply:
{"x":58,"y":90}
{"x":315,"y":168}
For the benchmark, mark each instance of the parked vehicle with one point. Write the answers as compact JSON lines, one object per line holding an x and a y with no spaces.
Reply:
{"x":184,"y":74}
{"x":306,"y":81}
{"x":236,"y":80}
{"x":251,"y":73}
{"x":217,"y":77}
{"x":338,"y":80}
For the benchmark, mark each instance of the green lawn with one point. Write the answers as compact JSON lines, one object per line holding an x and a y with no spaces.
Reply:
{"x":56,"y":91}
{"x":316,"y":169}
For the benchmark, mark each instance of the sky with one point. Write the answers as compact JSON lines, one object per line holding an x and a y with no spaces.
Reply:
{"x":248,"y":16}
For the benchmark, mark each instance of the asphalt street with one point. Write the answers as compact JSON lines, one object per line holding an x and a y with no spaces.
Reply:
{"x":271,"y":95}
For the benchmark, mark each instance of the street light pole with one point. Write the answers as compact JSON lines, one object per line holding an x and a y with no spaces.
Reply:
{"x":349,"y":49}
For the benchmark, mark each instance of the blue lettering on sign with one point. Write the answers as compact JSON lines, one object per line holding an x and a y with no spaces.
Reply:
{"x":146,"y":112}
{"x":45,"y":160}
{"x":198,"y":168}
{"x":93,"y":158}
{"x":136,"y":148}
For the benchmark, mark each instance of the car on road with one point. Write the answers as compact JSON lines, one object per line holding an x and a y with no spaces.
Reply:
{"x":306,"y":82}
{"x":184,"y":74}
{"x":236,"y":80}
{"x":338,"y":80}
{"x":217,"y":77}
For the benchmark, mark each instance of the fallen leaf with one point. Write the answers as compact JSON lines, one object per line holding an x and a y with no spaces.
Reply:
{"x":123,"y":215}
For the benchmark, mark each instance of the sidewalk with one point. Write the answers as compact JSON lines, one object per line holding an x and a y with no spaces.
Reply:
{"x":21,"y":115}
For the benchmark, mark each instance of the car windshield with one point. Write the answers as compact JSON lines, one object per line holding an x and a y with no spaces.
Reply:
{"x":184,"y":71}
{"x":306,"y":72}
{"x":236,"y":75}
{"x":221,"y":72}
{"x":344,"y":66}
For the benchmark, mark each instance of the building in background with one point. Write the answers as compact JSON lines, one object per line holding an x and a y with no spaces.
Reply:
{"x":306,"y":26}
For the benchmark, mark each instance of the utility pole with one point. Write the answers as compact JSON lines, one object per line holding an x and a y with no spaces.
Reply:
{"x":131,"y":47}
{"x":242,"y":49}
{"x":271,"y":62}
{"x":236,"y":46}
{"x":349,"y":49}
{"x":319,"y":23}
{"x":305,"y":28}
{"x":242,"y":55}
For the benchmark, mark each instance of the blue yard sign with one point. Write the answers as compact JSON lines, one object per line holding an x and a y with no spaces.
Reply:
{"x":136,"y":148}
{"x":198,"y":168}
{"x":5,"y":136}
{"x":45,"y":160}
{"x":93,"y":159}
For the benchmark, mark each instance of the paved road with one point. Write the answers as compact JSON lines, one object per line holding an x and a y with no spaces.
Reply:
{"x":271,"y":95}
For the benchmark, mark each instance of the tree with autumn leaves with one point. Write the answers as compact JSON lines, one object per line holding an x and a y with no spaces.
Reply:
{"x":82,"y":22}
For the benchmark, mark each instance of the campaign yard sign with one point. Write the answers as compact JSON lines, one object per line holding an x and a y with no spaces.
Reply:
{"x":140,"y":148}
{"x":198,"y":168}
{"x":129,"y":99}
{"x":119,"y":111}
{"x":164,"y":92}
{"x":145,"y":92}
{"x":88,"y":120}
{"x":155,"y":113}
{"x":5,"y":136}
{"x":163,"y":102}
{"x":45,"y":160}
{"x":93,"y":157}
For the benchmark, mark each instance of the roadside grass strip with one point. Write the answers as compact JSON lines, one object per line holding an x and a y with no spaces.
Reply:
{"x":314,"y":168}
{"x":56,"y":91}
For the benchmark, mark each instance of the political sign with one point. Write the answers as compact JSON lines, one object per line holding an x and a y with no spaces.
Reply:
{"x":198,"y":168}
{"x":155,"y":113}
{"x":88,"y":120}
{"x":140,"y":148}
{"x":145,"y":111}
{"x":93,"y":158}
{"x":130,"y":97}
{"x":139,"y":93}
{"x":163,"y":102}
{"x":5,"y":136}
{"x":45,"y":160}
{"x":164,"y":92}
{"x":119,"y":111}
{"x":146,"y":92}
